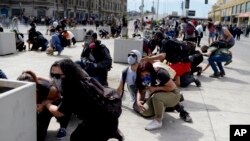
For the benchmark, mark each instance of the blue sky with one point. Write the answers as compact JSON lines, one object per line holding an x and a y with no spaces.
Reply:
{"x":167,"y":6}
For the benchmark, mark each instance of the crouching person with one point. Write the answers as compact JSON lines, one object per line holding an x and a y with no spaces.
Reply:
{"x":153,"y":98}
{"x":96,"y":125}
{"x":129,"y":75}
{"x":45,"y":91}
{"x":55,"y":42}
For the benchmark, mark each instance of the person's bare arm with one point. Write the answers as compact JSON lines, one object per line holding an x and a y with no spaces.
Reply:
{"x":160,"y":57}
{"x":52,"y":108}
{"x":228,"y":35}
{"x":169,"y":86}
{"x":206,"y":67}
{"x":120,"y":87}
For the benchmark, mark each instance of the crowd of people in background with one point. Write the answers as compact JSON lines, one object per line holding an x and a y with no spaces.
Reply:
{"x":175,"y":44}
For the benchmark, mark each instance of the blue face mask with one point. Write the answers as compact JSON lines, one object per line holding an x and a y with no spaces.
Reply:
{"x":146,"y":81}
{"x":131,"y":60}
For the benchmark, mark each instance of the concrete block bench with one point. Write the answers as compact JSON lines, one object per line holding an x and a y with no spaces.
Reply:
{"x":7,"y":43}
{"x":78,"y":33}
{"x":123,"y":46}
{"x":18,"y":111}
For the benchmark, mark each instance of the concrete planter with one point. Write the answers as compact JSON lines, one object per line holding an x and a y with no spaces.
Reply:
{"x":123,"y":46}
{"x":7,"y":43}
{"x":79,"y":34}
{"x":18,"y":111}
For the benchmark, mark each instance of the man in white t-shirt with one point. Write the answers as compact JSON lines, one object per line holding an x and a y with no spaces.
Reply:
{"x":129,"y":74}
{"x":70,"y":37}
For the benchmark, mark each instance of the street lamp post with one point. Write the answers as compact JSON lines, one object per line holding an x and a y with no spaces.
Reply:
{"x":157,"y":14}
{"x":142,"y":12}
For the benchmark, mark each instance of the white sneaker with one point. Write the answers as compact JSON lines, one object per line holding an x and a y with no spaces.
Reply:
{"x":154,"y":124}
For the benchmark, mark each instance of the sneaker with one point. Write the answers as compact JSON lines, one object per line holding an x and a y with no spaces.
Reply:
{"x":222,"y":74}
{"x":154,"y":124}
{"x":61,"y":133}
{"x":197,"y":82}
{"x":215,"y":75}
{"x":228,"y":62}
{"x":185,"y":116}
{"x":182,"y":98}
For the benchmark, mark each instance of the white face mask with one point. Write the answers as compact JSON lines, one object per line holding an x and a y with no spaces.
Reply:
{"x":131,"y":60}
{"x":58,"y":83}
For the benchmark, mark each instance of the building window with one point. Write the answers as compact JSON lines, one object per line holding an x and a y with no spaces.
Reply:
{"x":243,"y":8}
{"x":248,"y":7}
{"x":234,"y":10}
{"x":238,"y":9}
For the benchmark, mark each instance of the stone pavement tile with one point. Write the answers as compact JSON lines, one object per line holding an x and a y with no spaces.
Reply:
{"x":174,"y":129}
{"x":193,"y":100}
{"x":230,"y":101}
{"x":221,"y":122}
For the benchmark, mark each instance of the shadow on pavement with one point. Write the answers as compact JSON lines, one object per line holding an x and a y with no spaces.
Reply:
{"x":240,"y":71}
{"x":174,"y":129}
{"x":196,"y":106}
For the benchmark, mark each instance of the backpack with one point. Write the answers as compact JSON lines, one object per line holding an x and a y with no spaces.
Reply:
{"x":176,"y":51}
{"x":109,"y":66}
{"x":106,"y":98}
{"x":190,"y":29}
{"x":124,"y":76}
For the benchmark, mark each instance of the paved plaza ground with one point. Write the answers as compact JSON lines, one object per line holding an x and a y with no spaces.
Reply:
{"x":214,"y":106}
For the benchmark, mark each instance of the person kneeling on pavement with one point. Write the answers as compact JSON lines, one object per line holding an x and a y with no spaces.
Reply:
{"x":46,"y":90}
{"x":96,"y":60}
{"x":156,"y":92}
{"x":56,"y":43}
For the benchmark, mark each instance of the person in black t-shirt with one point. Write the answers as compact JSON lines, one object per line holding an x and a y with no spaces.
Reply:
{"x":156,"y":92}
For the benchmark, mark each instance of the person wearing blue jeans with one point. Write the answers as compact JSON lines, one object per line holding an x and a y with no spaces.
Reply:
{"x":215,"y":58}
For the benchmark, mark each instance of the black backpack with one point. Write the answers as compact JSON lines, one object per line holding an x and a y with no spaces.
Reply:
{"x":106,"y":98}
{"x":176,"y":51}
{"x":109,"y":66}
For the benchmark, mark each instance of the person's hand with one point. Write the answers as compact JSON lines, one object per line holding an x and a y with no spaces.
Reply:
{"x":140,"y":106}
{"x":145,"y":59}
{"x":45,"y":102}
{"x":39,"y":108}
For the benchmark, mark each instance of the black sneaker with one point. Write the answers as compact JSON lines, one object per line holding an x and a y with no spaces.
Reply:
{"x":215,"y":75}
{"x":199,"y":71}
{"x":197,"y":82}
{"x":228,"y":62}
{"x":185,"y":116}
{"x":222,"y":74}
{"x":61,"y":134}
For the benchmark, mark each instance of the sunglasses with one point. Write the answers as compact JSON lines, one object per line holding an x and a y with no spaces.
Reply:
{"x":56,"y":75}
{"x":133,"y":55}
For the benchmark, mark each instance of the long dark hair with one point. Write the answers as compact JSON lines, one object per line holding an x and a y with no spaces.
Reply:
{"x":72,"y":72}
{"x":145,"y":66}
